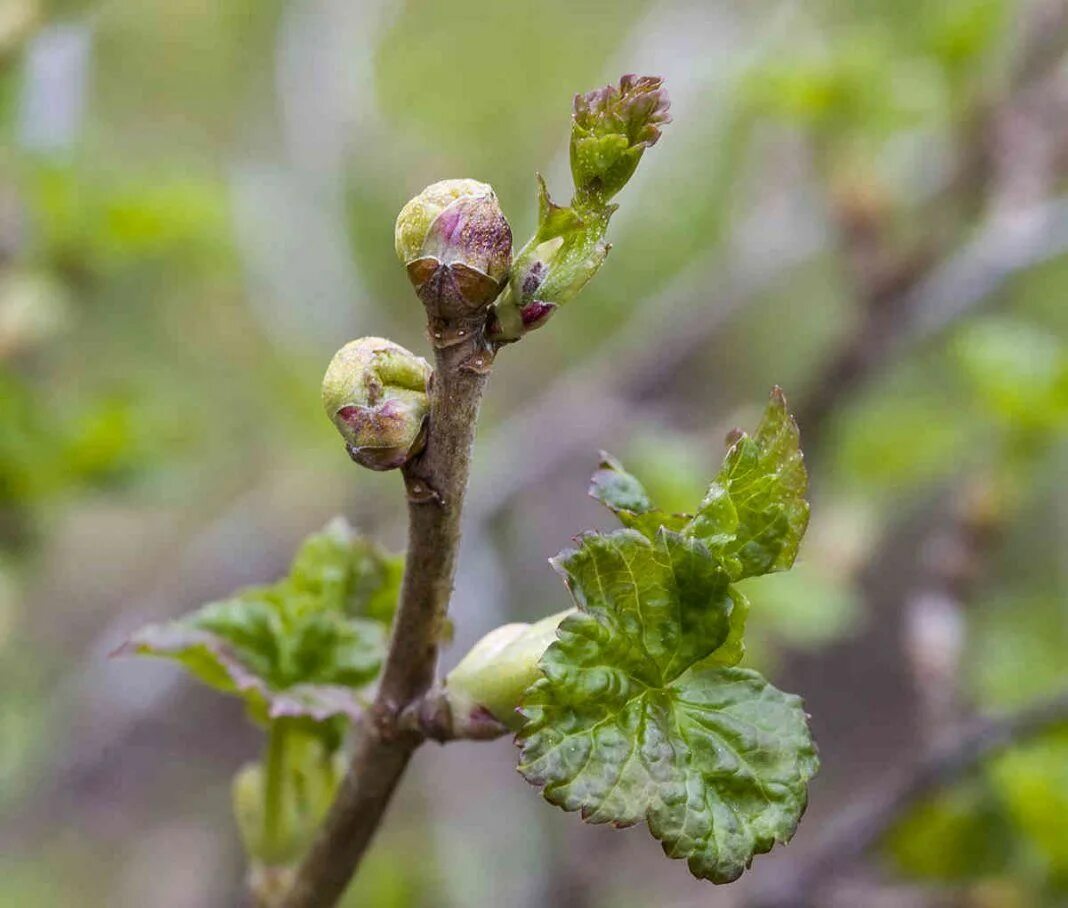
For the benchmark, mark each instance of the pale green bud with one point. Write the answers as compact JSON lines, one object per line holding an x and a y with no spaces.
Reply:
{"x":493,"y":675}
{"x":375,"y":393}
{"x":247,"y":795}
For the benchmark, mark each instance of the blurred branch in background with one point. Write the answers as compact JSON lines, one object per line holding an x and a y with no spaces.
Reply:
{"x":953,"y":556}
{"x":900,"y":288}
{"x":860,"y":827}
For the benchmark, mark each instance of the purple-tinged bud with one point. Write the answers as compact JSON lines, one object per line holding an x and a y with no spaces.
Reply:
{"x":375,"y":393}
{"x":457,"y":247}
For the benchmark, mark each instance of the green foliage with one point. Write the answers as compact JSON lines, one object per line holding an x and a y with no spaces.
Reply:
{"x":41,"y":456}
{"x":1008,"y":822}
{"x":807,"y":607}
{"x":489,"y":52}
{"x":834,"y":94}
{"x":302,"y":647}
{"x":893,"y":67}
{"x":905,"y":438}
{"x":953,"y":837}
{"x":1010,"y":819}
{"x":98,"y":226}
{"x":1032,"y":782}
{"x":1016,"y":372}
{"x":1016,"y":648}
{"x":641,"y":714}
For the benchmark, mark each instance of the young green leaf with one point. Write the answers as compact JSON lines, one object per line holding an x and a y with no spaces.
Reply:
{"x":755,"y":511}
{"x":626,"y":497}
{"x":634,"y":719}
{"x":302,"y":647}
{"x":640,"y":713}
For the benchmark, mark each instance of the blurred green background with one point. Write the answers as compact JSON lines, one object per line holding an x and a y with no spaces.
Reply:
{"x":860,"y":202}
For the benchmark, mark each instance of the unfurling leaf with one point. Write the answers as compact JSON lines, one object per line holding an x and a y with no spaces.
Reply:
{"x":610,"y":130}
{"x":302,"y":647}
{"x":626,"y":497}
{"x":640,"y":713}
{"x":754,"y":513}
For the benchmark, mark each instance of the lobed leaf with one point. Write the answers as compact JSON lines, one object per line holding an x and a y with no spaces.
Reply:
{"x":635,"y":717}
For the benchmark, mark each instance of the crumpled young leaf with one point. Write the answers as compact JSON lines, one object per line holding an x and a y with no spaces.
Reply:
{"x":633,"y":720}
{"x":304,"y":646}
{"x":640,"y":713}
{"x":754,"y":513}
{"x":626,"y":497}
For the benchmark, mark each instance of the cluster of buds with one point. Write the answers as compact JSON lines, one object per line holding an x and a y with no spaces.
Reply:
{"x":457,"y":246}
{"x":375,"y":393}
{"x":611,"y":128}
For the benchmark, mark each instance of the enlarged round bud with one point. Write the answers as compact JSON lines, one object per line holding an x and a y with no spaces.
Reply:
{"x":457,"y":247}
{"x":375,"y":393}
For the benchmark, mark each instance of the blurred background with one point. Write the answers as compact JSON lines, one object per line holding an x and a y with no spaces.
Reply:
{"x":860,"y":202}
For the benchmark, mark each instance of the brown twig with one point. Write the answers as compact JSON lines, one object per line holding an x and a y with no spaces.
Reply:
{"x":436,"y":485}
{"x":859,"y":829}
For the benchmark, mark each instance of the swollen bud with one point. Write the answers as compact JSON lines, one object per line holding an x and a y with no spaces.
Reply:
{"x":375,"y":393}
{"x":457,"y":247}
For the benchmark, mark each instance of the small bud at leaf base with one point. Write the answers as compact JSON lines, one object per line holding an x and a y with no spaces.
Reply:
{"x":457,"y":246}
{"x":375,"y":393}
{"x":611,"y":129}
{"x":498,"y":669}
